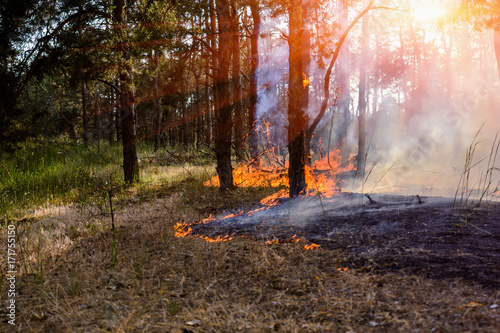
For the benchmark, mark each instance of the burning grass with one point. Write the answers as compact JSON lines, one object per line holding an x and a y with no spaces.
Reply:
{"x":76,"y":275}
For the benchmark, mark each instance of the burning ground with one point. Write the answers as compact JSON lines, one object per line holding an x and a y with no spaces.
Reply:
{"x":390,"y":265}
{"x":381,"y":233}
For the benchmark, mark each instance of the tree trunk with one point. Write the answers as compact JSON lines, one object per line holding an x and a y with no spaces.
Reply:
{"x":69,"y":124}
{"x":306,"y":68}
{"x":343,"y":73}
{"x":185,"y":116}
{"x":208,"y":106}
{"x":97,"y":119}
{"x":110,"y":121}
{"x":497,"y":47}
{"x":127,"y":110}
{"x":254,"y":66}
{"x":237,"y":88}
{"x":297,"y":118}
{"x":156,"y":79}
{"x":223,"y":113}
{"x":84,"y":114}
{"x":117,"y":107}
{"x":362,"y":102}
{"x":214,"y":63}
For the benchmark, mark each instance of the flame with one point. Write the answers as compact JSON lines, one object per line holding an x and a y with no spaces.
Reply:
{"x":217,"y":239}
{"x":311,"y":246}
{"x":182,"y":230}
{"x":246,"y":176}
{"x":294,"y":239}
{"x":320,"y":178}
{"x":305,"y":80}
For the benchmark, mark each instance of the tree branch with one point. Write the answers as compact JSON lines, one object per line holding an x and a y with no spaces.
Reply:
{"x":111,"y":85}
{"x":336,"y":53}
{"x":43,"y":42}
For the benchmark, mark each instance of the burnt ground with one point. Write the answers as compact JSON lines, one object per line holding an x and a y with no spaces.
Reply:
{"x":388,"y":233}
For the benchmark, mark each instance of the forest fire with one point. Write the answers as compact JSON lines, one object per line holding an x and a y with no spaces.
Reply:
{"x":321,"y":178}
{"x":322,"y":181}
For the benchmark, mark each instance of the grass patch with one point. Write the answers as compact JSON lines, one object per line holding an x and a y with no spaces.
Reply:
{"x":43,"y":174}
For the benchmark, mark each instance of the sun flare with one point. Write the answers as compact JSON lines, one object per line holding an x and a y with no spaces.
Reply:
{"x":429,"y":11}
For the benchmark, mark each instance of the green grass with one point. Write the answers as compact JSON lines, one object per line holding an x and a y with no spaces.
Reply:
{"x":41,"y":174}
{"x":54,"y":173}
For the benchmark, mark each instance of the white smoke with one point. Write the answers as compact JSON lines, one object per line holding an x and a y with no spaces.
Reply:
{"x":418,"y":139}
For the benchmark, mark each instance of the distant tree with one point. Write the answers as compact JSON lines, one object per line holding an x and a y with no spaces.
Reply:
{"x":362,"y":101}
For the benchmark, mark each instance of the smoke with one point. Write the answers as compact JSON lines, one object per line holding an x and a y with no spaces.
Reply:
{"x":431,"y":88}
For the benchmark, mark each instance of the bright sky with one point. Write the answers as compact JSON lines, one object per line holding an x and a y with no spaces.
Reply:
{"x":430,"y":11}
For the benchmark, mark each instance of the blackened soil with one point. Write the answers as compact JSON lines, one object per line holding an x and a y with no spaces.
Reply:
{"x":386,"y":234}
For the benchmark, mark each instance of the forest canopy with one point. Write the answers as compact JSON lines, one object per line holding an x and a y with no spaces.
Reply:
{"x":253,"y":81}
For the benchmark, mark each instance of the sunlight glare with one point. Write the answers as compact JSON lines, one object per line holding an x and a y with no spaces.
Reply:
{"x":429,"y":11}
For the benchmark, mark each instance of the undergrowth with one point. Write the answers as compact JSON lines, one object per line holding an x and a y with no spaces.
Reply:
{"x":479,"y":184}
{"x":57,"y":173}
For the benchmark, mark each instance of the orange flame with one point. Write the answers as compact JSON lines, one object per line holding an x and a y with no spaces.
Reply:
{"x":320,"y":179}
{"x":182,"y":230}
{"x":311,"y":247}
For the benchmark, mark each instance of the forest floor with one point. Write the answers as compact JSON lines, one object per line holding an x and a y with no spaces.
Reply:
{"x":393,"y":265}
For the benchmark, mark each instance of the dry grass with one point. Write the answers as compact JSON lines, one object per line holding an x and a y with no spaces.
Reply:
{"x":141,"y":278}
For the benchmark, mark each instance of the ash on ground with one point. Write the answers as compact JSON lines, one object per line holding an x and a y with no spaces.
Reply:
{"x":430,"y":236}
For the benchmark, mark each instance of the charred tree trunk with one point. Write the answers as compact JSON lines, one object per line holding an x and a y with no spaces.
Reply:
{"x":223,"y":117}
{"x":254,"y":66}
{"x":297,"y":118}
{"x":127,"y":110}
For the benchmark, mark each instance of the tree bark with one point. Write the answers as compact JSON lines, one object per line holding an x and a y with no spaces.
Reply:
{"x":237,"y":101}
{"x":297,"y":118}
{"x":117,"y":107}
{"x":127,"y":109}
{"x":97,"y":119}
{"x":223,"y":113}
{"x":156,"y":79}
{"x":84,"y":114}
{"x":306,"y":68}
{"x":254,"y":66}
